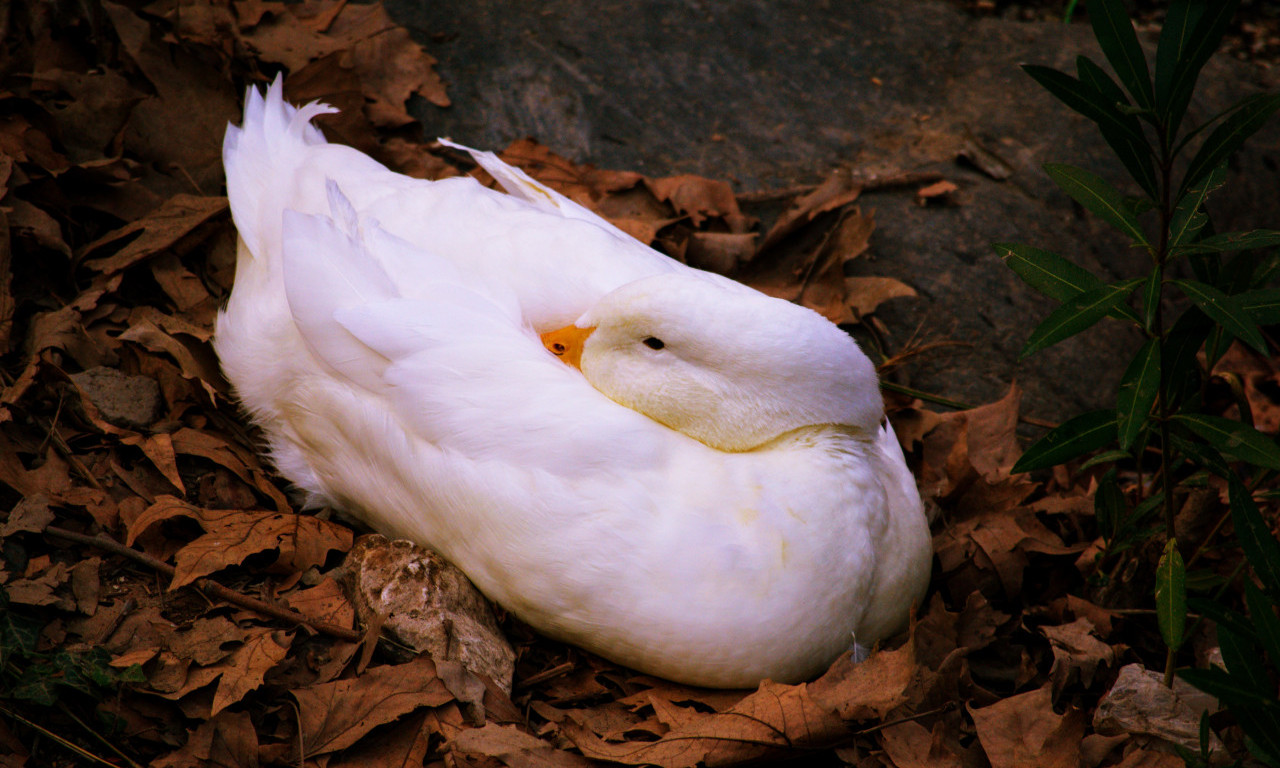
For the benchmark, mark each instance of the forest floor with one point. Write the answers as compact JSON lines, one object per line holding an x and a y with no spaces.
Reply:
{"x":164,"y":601}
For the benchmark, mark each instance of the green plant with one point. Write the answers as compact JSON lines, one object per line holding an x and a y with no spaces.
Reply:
{"x":1160,"y":405}
{"x":32,"y":680}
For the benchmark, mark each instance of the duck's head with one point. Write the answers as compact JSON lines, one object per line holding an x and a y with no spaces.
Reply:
{"x":720,"y":362}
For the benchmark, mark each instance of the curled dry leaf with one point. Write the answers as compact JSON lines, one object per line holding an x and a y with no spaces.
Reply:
{"x":1076,"y":653}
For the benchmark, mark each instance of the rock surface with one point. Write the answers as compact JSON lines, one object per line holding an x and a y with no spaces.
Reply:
{"x":1139,"y":702}
{"x":127,"y":401}
{"x":429,"y":605}
{"x":770,"y":95}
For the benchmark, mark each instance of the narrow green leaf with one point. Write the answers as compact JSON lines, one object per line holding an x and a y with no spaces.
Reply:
{"x":1086,"y":100}
{"x":1201,"y":455}
{"x":1119,"y":42}
{"x":1121,"y":130}
{"x":1106,"y":457}
{"x":1152,"y":292}
{"x":1262,"y":726}
{"x":1109,"y":506}
{"x":1234,"y":439}
{"x":1082,"y":434}
{"x":1242,"y":661}
{"x":1232,"y":241}
{"x":1138,"y":388}
{"x":1221,"y":615}
{"x":1219,"y":341}
{"x":1263,"y":614}
{"x":1260,"y":548}
{"x":1207,"y":267}
{"x":1233,"y":691}
{"x":1198,"y":47}
{"x":1097,"y":196}
{"x":1053,"y":275}
{"x":1182,"y":371}
{"x":1262,"y":305}
{"x":1077,"y":314}
{"x":1171,"y":595}
{"x":1252,"y":114}
{"x":1226,"y":311}
{"x":1174,"y":39}
{"x":1188,"y":219}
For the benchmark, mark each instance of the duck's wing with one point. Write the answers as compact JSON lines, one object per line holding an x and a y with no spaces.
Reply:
{"x":452,"y":366}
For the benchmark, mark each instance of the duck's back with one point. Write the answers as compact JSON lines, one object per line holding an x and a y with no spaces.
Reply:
{"x":548,"y":255}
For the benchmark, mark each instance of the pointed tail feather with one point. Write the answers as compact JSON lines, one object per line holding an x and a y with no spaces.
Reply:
{"x":259,"y":155}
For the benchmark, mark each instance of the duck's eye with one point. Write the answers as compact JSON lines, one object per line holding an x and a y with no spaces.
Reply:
{"x":653,"y":343}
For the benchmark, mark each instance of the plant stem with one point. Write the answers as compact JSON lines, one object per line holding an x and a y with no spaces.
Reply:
{"x":1159,"y":258}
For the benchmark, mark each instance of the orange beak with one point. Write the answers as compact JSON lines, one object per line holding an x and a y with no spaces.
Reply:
{"x":566,"y":343}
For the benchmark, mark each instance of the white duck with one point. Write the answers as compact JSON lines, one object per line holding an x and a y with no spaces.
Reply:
{"x":715,"y":498}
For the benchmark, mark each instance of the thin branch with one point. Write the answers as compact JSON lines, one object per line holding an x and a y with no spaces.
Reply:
{"x":76,"y":748}
{"x":104,"y":542}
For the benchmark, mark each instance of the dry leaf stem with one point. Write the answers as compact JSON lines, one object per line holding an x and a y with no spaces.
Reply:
{"x":102,"y":541}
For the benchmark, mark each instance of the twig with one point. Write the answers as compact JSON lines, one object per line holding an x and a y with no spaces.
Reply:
{"x":865,"y":183}
{"x":942,"y":710}
{"x":81,"y":751}
{"x":63,"y":708}
{"x":104,"y":542}
{"x":940,"y":400}
{"x":546,"y":674}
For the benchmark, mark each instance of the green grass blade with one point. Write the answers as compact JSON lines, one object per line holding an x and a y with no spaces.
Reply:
{"x":1234,"y":439}
{"x":1077,"y":314}
{"x":1226,"y":311}
{"x":1098,"y":196}
{"x":1171,"y":595}
{"x":1138,"y":388}
{"x":1074,"y":437}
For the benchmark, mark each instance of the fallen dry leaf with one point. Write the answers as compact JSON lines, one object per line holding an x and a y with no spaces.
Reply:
{"x":1024,"y":730}
{"x":1076,"y":653}
{"x":333,"y":716}
{"x":232,"y":535}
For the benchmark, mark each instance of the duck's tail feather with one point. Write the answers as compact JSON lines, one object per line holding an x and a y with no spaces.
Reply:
{"x":260,"y":152}
{"x":517,"y":183}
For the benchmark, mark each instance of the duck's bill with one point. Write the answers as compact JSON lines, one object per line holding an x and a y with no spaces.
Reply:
{"x":566,"y":343}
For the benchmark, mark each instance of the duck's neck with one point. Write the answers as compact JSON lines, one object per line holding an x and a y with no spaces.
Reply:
{"x":839,"y":438}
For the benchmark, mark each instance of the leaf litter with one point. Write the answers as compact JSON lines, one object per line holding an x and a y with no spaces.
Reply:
{"x":124,"y":458}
